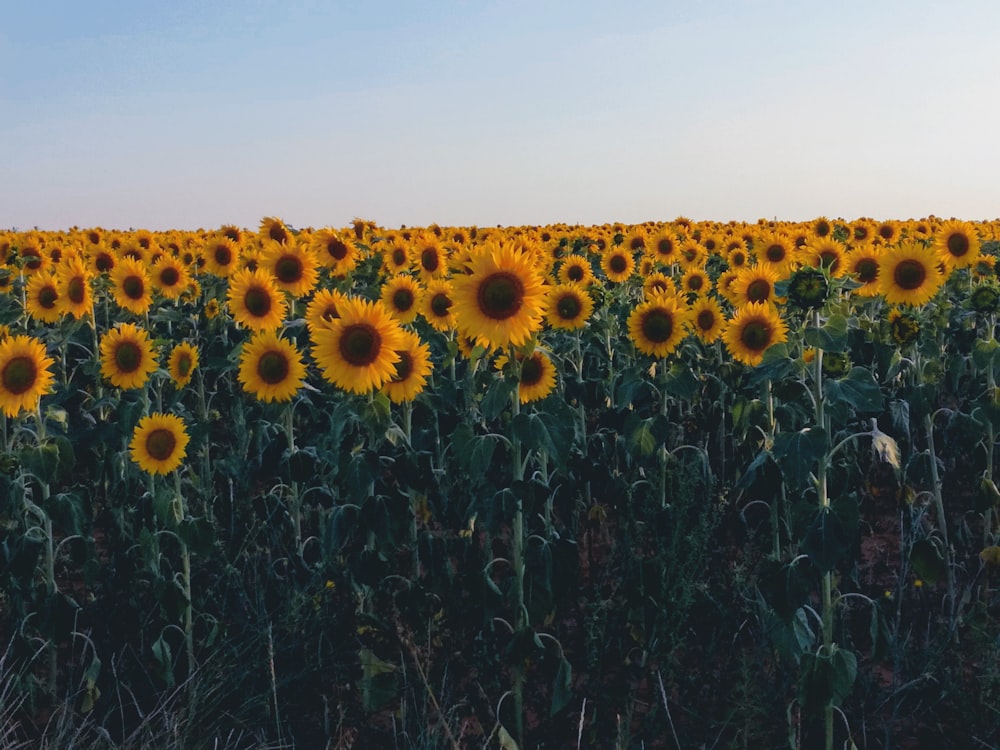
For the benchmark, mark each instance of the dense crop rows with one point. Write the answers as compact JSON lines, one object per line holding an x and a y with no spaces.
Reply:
{"x":663,"y":485}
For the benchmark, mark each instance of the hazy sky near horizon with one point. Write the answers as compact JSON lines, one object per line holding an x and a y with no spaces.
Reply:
{"x":188,"y":114}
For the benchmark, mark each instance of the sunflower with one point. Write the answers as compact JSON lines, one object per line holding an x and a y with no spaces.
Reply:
{"x":707,"y":319}
{"x":358,"y":350}
{"x":436,"y":304}
{"x":887,"y":232}
{"x":41,"y":297}
{"x":536,"y":375}
{"x":401,"y":296}
{"x":334,"y":251}
{"x":159,"y":443}
{"x":862,"y":232}
{"x":323,"y":307}
{"x":824,"y":253}
{"x":32,"y":256}
{"x":222,"y":256}
{"x":776,"y":251}
{"x":658,"y":283}
{"x":271,"y":368}
{"x":821,"y":228}
{"x":663,"y":248}
{"x":294,"y":268}
{"x":691,"y":254}
{"x":695,"y":281}
{"x":656,"y":326}
{"x":754,"y":284}
{"x":617,"y":263}
{"x":412,"y":369}
{"x":909,"y":274}
{"x":430,"y":258}
{"x":182,"y":364}
{"x":396,"y":256}
{"x":76,"y":298}
{"x":127,"y":357}
{"x":752,"y":330}
{"x":254,"y":300}
{"x":635,"y":241}
{"x":501,"y":300}
{"x":24,"y":374}
{"x":958,"y":244}
{"x":724,"y":287}
{"x":575,"y":269}
{"x":738,"y":257}
{"x":131,"y":286}
{"x":170,"y":276}
{"x":570,"y":307}
{"x":273,"y":229}
{"x":861,"y":264}
{"x":903,"y":327}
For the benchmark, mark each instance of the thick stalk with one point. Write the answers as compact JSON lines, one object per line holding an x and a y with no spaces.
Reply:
{"x":942,"y":521}
{"x":185,"y":579}
{"x":824,"y":505}
{"x":517,"y":559}
{"x":292,"y":483}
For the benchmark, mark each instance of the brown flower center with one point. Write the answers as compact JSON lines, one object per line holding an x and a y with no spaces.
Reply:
{"x":289,"y":269}
{"x":133,"y":287}
{"x":337,"y":249}
{"x":657,"y":325}
{"x":909,"y":274}
{"x":958,"y":244}
{"x":756,"y":335}
{"x":257,"y":301}
{"x":402,"y":299}
{"x":360,"y":344}
{"x":47,"y":297}
{"x":160,"y":444}
{"x":128,"y":357}
{"x":705,"y":320}
{"x":404,"y":368}
{"x":273,"y":367}
{"x":568,"y":307}
{"x":500,"y":295}
{"x":430,"y":260}
{"x":169,"y":277}
{"x":19,"y":375}
{"x":76,"y":290}
{"x":759,"y":290}
{"x":440,"y":304}
{"x":532,"y":370}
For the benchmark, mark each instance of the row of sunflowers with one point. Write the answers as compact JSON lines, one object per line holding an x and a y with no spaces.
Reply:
{"x":541,"y":431}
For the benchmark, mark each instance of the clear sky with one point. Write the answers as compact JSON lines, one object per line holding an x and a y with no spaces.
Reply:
{"x":197,"y":113}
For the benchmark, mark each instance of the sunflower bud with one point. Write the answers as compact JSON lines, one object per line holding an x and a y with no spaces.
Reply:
{"x":808,"y":288}
{"x":905,"y":328}
{"x":985,"y":299}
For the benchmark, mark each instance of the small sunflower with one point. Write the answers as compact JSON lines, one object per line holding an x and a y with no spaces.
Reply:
{"x":75,"y":294}
{"x":271,"y":368}
{"x":658,"y":283}
{"x":696,"y":282}
{"x":575,"y":269}
{"x":222,"y":256}
{"x":182,"y":364}
{"x":436,"y":304}
{"x":691,"y":254}
{"x":775,"y":251}
{"x":293,"y":267}
{"x":958,"y":244}
{"x":635,"y":241}
{"x":824,"y":253}
{"x":663,"y":248}
{"x":41,"y":297}
{"x":569,"y":307}
{"x":24,"y":374}
{"x":887,"y":232}
{"x":127,"y":357}
{"x":909,"y":274}
{"x":273,"y":229}
{"x":396,"y":256}
{"x":862,"y":265}
{"x":159,"y":443}
{"x":131,"y":286}
{"x":501,"y":300}
{"x":323,"y":307}
{"x":752,"y":330}
{"x":821,"y":228}
{"x":412,"y":369}
{"x":536,"y":375}
{"x":401,"y":296}
{"x":358,"y":350}
{"x":430,"y":258}
{"x":738,"y":257}
{"x":170,"y":276}
{"x":618,"y":264}
{"x":101,"y":260}
{"x":334,"y":251}
{"x":254,"y":300}
{"x":904,"y":327}
{"x":754,"y":284}
{"x":707,"y":319}
{"x":656,"y":326}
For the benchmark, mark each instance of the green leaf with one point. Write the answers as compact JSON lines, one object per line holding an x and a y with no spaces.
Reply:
{"x":776,"y":365}
{"x":825,"y":542}
{"x":198,"y":534}
{"x":797,"y":451}
{"x":928,"y":559}
{"x":639,"y":436}
{"x":681,"y":381}
{"x":164,"y":657}
{"x":378,"y":681}
{"x":858,"y":388}
{"x":984,"y":353}
{"x":562,"y":687}
{"x":830,"y":337}
{"x":498,"y":397}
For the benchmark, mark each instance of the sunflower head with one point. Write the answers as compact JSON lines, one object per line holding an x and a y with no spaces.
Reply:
{"x":753,"y":330}
{"x":24,"y":374}
{"x":808,"y":288}
{"x":985,"y":299}
{"x":159,"y":443}
{"x":904,"y":327}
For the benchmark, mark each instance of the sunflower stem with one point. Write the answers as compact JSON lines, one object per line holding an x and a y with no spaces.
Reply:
{"x":185,"y":578}
{"x":292,"y":482}
{"x":518,"y":565}
{"x":942,"y":523}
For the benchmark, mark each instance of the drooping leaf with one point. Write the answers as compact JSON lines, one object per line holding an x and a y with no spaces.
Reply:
{"x":858,"y":388}
{"x":825,"y":542}
{"x":796,"y":452}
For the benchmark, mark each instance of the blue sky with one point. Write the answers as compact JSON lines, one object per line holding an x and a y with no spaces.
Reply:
{"x":195,"y":114}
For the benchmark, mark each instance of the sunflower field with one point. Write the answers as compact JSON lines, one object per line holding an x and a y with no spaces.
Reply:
{"x":670,"y":485}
